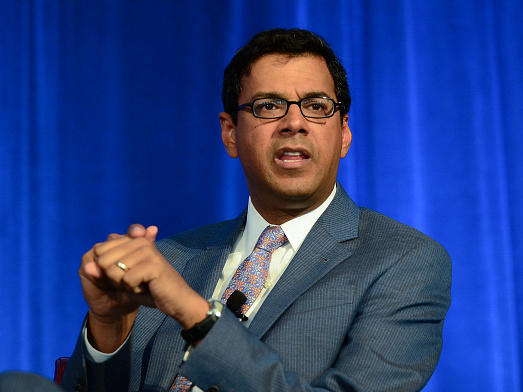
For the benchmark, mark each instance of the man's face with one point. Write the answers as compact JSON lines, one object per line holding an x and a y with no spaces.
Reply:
{"x":290,"y":163}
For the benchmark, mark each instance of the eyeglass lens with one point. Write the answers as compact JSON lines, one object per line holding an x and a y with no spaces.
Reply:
{"x":315,"y":107}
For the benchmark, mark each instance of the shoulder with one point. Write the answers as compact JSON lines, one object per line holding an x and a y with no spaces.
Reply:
{"x":375,"y":228}
{"x":200,"y":236}
{"x":401,"y":247}
{"x":192,"y":242}
{"x":197,"y":237}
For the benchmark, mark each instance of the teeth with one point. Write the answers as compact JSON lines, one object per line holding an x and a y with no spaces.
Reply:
{"x":292,"y":153}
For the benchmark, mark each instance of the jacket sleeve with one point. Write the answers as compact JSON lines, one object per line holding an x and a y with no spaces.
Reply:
{"x":84,"y":375}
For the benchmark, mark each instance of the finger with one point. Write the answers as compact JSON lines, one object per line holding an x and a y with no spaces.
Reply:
{"x":104,"y":247}
{"x":137,"y":252}
{"x":147,"y":265}
{"x":151,"y":233}
{"x":89,"y":268}
{"x":89,"y":257}
{"x":136,"y":230}
{"x":93,"y":273}
{"x":135,"y":280}
{"x":114,"y":236}
{"x":115,"y":274}
{"x":92,"y":270}
{"x":122,"y":252}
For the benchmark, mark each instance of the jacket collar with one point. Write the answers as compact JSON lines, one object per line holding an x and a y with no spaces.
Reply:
{"x":324,"y":247}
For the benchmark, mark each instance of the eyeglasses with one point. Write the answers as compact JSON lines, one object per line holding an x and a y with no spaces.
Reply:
{"x":310,"y":107}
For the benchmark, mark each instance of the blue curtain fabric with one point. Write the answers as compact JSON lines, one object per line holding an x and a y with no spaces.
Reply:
{"x":108,"y":116}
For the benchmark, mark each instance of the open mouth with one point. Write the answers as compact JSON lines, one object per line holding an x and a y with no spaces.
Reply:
{"x":292,"y":157}
{"x":287,"y":155}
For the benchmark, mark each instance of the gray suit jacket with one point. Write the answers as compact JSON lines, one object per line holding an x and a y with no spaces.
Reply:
{"x":360,"y":308}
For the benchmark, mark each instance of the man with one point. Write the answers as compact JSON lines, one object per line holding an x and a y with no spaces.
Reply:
{"x":339,"y":298}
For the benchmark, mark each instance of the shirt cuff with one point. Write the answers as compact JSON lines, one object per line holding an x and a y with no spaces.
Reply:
{"x":187,"y":353}
{"x":98,"y":356}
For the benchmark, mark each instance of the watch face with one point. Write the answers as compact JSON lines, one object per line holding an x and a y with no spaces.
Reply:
{"x":216,"y":308}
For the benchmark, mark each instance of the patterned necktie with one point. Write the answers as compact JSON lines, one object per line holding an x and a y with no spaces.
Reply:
{"x":252,"y":273}
{"x":249,"y":278}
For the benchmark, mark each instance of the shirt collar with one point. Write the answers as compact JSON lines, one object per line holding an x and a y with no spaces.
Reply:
{"x":295,"y":229}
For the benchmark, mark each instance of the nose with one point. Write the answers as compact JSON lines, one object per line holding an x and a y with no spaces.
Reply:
{"x":293,"y":121}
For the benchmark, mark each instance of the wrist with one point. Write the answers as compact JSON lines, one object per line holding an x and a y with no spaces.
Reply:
{"x":197,"y":332}
{"x":106,"y":334}
{"x":114,"y":318}
{"x":198,"y":311}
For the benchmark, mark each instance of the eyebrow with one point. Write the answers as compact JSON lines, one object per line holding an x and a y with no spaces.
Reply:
{"x":267,"y":94}
{"x":275,"y":94}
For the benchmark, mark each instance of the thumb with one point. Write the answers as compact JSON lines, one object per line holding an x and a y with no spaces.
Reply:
{"x":136,"y":230}
{"x":151,"y":232}
{"x":91,"y":271}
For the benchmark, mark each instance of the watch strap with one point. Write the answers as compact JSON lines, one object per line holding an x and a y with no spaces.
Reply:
{"x":200,"y":330}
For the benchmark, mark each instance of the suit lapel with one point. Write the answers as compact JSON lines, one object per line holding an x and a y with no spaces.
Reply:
{"x":323,"y":249}
{"x":201,"y":272}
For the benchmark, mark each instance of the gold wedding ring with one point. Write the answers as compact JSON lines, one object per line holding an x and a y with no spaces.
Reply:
{"x":122,"y":266}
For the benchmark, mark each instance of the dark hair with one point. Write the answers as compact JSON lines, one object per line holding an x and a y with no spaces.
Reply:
{"x":292,"y":42}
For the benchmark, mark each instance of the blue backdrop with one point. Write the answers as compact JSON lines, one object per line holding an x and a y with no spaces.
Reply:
{"x":108,"y":116}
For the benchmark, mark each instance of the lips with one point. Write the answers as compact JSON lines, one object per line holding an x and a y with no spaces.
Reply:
{"x":292,"y":157}
{"x":287,"y":154}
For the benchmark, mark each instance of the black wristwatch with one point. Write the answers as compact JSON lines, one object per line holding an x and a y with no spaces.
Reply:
{"x":198,"y":332}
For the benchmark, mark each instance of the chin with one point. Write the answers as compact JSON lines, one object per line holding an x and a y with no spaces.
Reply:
{"x":296,"y":193}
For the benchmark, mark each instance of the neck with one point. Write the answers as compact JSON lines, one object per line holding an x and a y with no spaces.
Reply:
{"x":278,"y":212}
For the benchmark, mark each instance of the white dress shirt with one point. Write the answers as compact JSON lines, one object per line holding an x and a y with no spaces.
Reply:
{"x":295,"y":229}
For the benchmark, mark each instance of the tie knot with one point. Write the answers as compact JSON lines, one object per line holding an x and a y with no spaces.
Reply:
{"x":271,"y":238}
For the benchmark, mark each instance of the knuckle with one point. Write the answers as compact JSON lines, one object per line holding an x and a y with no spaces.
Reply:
{"x":97,"y":248}
{"x":142,"y":241}
{"x":105,"y":263}
{"x":126,"y":280}
{"x":113,"y":275}
{"x":143,"y":248}
{"x":87,"y":256}
{"x":112,"y":236}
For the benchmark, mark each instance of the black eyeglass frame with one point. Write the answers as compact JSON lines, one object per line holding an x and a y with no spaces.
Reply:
{"x":335,"y":107}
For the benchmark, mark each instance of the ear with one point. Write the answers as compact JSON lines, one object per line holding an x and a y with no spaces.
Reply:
{"x":228,"y":134}
{"x":346,"y":136}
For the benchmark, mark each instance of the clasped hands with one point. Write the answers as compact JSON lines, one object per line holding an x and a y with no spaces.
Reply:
{"x":114,"y":294}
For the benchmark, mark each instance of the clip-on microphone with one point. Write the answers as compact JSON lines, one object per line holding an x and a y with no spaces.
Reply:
{"x":235,"y":302}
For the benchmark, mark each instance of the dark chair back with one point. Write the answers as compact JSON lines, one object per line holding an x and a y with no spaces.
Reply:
{"x":59,"y":369}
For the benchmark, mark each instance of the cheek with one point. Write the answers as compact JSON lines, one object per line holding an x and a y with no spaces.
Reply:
{"x":331,"y":152}
{"x":252,"y":155}
{"x":254,"y":148}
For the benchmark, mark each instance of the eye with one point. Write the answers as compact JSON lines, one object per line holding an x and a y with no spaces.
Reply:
{"x":319,"y":105}
{"x":268,"y":105}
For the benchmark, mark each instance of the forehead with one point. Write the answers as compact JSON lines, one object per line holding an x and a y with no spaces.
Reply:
{"x":290,"y":76}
